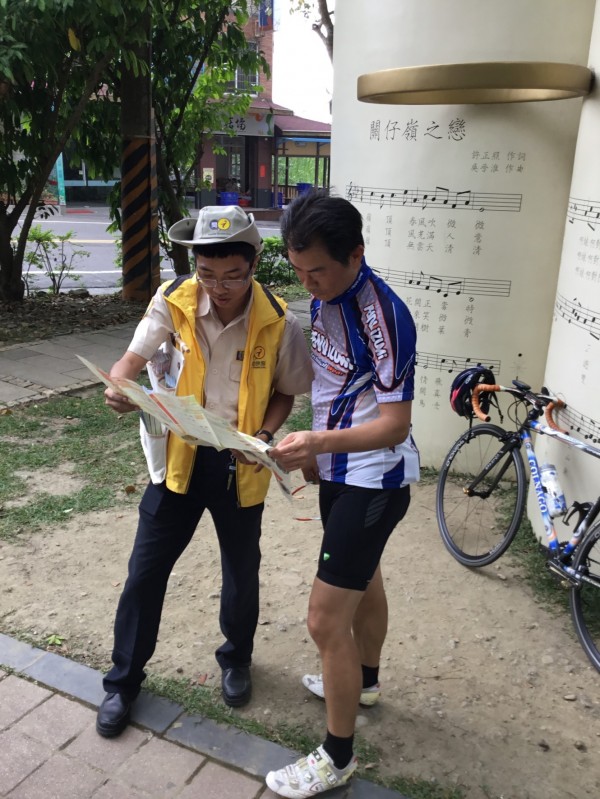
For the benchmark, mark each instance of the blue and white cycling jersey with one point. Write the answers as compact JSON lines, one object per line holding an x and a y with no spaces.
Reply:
{"x":363,"y":351}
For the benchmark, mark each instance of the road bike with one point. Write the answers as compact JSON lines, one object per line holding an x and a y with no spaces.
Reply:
{"x":481,"y":495}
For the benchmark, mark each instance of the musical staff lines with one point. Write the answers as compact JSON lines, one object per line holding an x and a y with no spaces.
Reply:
{"x":574,"y":313}
{"x":440,"y":198}
{"x":452,"y":363}
{"x":577,"y":423}
{"x":587,"y":211}
{"x":451,"y":285}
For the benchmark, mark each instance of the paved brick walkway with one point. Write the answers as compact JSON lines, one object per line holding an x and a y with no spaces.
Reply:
{"x":40,"y":369}
{"x":49,"y":748}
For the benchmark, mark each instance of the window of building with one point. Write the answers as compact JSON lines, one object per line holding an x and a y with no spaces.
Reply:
{"x":245,"y":81}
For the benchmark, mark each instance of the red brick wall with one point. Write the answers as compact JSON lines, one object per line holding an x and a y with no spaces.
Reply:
{"x":264,"y":40}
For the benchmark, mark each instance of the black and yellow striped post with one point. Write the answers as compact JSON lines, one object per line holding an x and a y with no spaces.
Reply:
{"x":139,"y":195}
{"x":139,"y":208}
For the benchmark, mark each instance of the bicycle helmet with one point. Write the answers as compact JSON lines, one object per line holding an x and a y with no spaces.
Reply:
{"x":462,"y":388}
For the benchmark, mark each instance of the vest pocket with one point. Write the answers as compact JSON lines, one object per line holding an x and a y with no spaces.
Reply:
{"x":164,"y":371}
{"x":154,"y":446}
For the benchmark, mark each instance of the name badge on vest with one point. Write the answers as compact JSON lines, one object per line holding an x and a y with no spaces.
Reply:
{"x":258,"y":357}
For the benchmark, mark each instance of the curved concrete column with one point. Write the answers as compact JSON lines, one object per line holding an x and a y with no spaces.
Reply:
{"x":464,"y":205}
{"x":573,"y":364}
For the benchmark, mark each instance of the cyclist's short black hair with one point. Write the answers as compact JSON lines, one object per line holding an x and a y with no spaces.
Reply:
{"x":320,"y":218}
{"x":225,"y":249}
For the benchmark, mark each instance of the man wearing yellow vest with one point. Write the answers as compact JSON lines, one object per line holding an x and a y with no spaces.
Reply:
{"x":244,"y":357}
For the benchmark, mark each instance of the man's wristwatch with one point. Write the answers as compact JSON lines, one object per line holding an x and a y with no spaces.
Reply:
{"x":262,"y":432}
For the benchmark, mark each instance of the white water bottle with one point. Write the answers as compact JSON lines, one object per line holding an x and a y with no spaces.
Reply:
{"x":555,"y":499}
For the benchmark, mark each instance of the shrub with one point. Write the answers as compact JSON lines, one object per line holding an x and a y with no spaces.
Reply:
{"x":54,"y":255}
{"x":274,"y":267}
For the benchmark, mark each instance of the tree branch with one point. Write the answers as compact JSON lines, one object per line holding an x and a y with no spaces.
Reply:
{"x":325,"y":21}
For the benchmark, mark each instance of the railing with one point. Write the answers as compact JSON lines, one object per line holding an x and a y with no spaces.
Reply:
{"x":288,"y":192}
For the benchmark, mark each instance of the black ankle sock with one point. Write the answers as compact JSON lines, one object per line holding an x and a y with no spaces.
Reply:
{"x":339,"y":749}
{"x":370,"y":676}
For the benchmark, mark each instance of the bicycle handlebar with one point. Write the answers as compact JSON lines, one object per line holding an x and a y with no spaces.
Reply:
{"x":548,"y":410}
{"x":475,"y":399}
{"x":550,"y":404}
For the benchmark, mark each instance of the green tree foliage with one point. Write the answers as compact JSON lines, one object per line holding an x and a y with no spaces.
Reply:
{"x":61,"y":67}
{"x":54,"y":55}
{"x":197,"y":46}
{"x":193,"y":66}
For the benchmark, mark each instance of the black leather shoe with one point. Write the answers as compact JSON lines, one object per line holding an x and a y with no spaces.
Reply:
{"x":113,"y":715}
{"x":236,"y":684}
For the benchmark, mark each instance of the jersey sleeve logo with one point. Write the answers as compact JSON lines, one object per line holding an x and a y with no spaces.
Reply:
{"x":375,"y":332}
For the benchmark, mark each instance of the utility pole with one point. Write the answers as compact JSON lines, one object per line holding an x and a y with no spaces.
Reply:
{"x":139,"y":194}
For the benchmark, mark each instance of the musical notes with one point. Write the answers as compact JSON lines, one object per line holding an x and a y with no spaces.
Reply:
{"x":586,"y":211}
{"x":440,"y":197}
{"x":452,"y":363}
{"x":579,"y":424}
{"x":447,"y":285}
{"x":575,"y":314}
{"x":354,"y":192}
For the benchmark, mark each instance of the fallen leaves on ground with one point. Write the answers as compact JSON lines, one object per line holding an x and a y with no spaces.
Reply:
{"x":45,"y":315}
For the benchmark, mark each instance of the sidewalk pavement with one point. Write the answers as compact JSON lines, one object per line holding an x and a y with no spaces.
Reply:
{"x":41,"y":369}
{"x":49,"y":748}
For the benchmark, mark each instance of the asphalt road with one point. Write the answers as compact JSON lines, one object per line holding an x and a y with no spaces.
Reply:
{"x":96,"y":272}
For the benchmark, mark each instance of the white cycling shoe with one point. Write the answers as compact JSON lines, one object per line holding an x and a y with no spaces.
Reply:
{"x":368,"y":696}
{"x":309,"y":775}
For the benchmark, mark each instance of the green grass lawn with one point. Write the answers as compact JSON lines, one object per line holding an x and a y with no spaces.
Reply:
{"x":67,"y":435}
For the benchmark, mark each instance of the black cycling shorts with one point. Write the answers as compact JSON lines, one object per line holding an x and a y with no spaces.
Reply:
{"x":357,"y":523}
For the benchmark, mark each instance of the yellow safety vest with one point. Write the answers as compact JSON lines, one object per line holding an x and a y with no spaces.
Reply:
{"x":265,"y":332}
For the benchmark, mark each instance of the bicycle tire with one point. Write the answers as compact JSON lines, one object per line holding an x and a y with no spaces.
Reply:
{"x":476,"y":530}
{"x":585,"y":598}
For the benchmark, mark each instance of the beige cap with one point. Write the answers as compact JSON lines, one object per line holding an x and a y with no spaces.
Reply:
{"x":217,"y":224}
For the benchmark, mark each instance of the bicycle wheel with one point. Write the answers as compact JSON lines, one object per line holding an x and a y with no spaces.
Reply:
{"x":585,"y":598}
{"x":478,"y":520}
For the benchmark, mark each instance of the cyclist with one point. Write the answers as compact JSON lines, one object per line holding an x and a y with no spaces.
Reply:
{"x":362,"y":451}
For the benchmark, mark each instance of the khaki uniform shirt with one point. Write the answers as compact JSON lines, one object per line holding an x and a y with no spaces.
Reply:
{"x":223,"y":350}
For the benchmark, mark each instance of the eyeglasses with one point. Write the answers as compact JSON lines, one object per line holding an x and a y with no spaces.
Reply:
{"x":211,"y":283}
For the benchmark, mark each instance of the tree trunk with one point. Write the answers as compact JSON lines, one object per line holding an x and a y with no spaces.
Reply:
{"x":180,"y":255}
{"x":325,"y":23}
{"x":12,"y":288}
{"x":181,"y":259}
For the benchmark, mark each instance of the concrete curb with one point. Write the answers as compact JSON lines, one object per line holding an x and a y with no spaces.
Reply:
{"x":227,"y":745}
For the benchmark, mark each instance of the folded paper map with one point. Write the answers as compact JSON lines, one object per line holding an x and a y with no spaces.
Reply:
{"x":186,"y":418}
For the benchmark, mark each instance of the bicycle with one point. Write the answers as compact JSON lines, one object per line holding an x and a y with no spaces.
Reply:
{"x":481,"y":496}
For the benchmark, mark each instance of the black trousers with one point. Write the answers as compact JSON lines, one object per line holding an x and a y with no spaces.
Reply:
{"x":167,"y":522}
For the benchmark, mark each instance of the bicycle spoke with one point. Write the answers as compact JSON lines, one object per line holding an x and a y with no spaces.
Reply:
{"x":477,"y":528}
{"x":585,"y":600}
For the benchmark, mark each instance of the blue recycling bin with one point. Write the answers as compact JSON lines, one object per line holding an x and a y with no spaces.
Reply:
{"x":229,"y":198}
{"x":304,"y":188}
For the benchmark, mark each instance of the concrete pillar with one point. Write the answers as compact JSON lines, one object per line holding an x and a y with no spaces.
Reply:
{"x":573,"y":364}
{"x":464,"y":205}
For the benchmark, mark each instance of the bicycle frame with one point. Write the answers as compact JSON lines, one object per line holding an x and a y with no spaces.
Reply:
{"x":511,"y":443}
{"x":585,"y":523}
{"x":484,"y":462}
{"x":523,"y":437}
